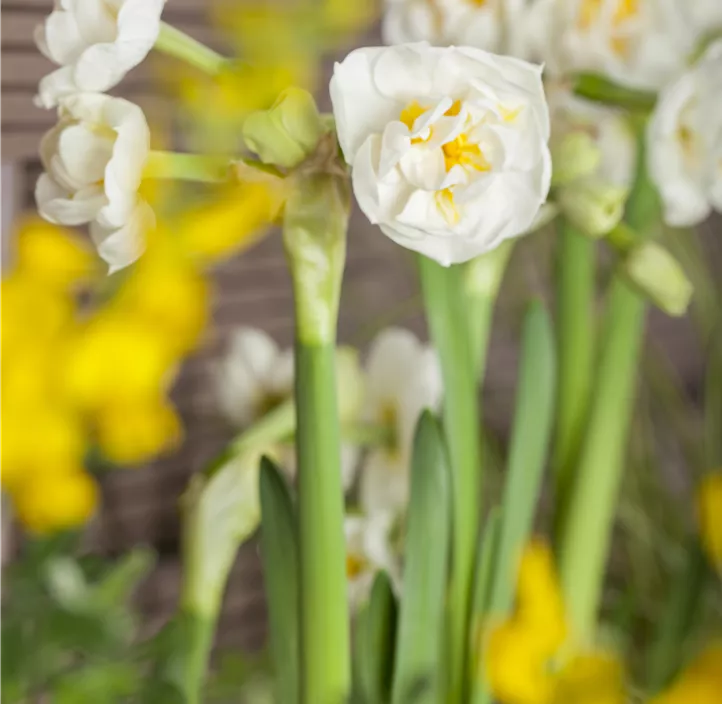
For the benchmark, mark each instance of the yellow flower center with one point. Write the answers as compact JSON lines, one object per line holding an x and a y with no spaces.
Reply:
{"x":354,"y":565}
{"x":624,"y":11}
{"x":461,"y":152}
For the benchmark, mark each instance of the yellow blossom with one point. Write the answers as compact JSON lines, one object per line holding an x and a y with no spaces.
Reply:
{"x":699,"y":683}
{"x":236,"y":220}
{"x":135,"y":432}
{"x":115,"y":358}
{"x":56,"y":501}
{"x":52,"y":256}
{"x":709,"y":503}
{"x":166,"y":293}
{"x":522,"y":654}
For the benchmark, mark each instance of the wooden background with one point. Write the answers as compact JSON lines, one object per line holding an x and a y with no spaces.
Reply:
{"x":141,"y":506}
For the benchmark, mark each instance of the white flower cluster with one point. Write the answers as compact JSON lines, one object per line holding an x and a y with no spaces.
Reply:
{"x":94,"y":157}
{"x":646,"y":45}
{"x":401,"y":378}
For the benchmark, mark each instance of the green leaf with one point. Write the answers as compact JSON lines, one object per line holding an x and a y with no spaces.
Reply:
{"x":375,"y":640}
{"x":105,"y":683}
{"x":121,"y":581}
{"x":594,"y":87}
{"x":483,"y":579}
{"x":528,"y":450}
{"x":420,"y":639}
{"x":280,"y":563}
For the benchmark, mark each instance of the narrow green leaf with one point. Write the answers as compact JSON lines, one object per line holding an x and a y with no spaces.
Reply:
{"x":417,"y":675}
{"x":678,"y":617}
{"x":597,"y":88}
{"x":280,"y":564}
{"x":483,"y":580}
{"x":713,"y":403}
{"x":528,"y":450}
{"x":375,"y":640}
{"x":527,"y":453}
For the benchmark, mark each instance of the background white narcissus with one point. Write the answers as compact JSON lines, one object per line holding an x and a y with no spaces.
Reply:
{"x":684,"y":142}
{"x":93,"y":160}
{"x":402,"y":379}
{"x":96,"y":42}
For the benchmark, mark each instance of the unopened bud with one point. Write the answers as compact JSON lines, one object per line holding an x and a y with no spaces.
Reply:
{"x":592,"y":205}
{"x":286,"y":133}
{"x":575,"y":155}
{"x":656,"y":273}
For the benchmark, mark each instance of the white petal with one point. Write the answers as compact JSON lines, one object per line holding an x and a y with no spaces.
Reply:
{"x":383,"y":483}
{"x":54,"y":87}
{"x":60,"y":39}
{"x":121,"y":247}
{"x":58,"y":206}
{"x":84,"y":153}
{"x":359,"y":108}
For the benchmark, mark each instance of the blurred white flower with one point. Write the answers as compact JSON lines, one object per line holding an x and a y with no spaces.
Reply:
{"x":368,"y":550}
{"x":477,"y":23}
{"x":448,"y":146}
{"x":594,"y":153}
{"x":96,"y":42}
{"x":403,"y":379}
{"x":684,"y":142}
{"x":93,"y":159}
{"x":638,"y":43}
{"x":256,"y":376}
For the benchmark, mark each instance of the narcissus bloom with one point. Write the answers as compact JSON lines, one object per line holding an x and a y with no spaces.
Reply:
{"x":448,"y":146}
{"x":403,"y":379}
{"x":477,"y":23}
{"x":93,"y":160}
{"x":95,"y":42}
{"x":640,"y":43}
{"x":684,"y":142}
{"x":368,"y":550}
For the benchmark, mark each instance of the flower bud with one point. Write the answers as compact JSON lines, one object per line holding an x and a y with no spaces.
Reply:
{"x":575,"y":155}
{"x":287,"y":132}
{"x":657,"y":274}
{"x":595,"y":207}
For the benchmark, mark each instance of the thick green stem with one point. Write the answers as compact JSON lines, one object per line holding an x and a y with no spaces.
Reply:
{"x":575,"y":344}
{"x":446,"y":315}
{"x":179,"y":45}
{"x":586,"y":531}
{"x":324,"y":644}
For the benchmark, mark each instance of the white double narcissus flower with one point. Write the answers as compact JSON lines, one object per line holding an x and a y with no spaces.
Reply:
{"x":403,"y":378}
{"x":448,"y":147}
{"x":639,"y":43}
{"x":684,"y":142}
{"x":484,"y":24}
{"x":93,"y":160}
{"x":368,"y":550}
{"x":256,"y":376}
{"x":96,"y":42}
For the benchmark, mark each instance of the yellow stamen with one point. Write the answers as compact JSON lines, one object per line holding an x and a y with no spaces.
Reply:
{"x":464,"y":153}
{"x":447,"y":206}
{"x":409,"y":115}
{"x":354,"y":566}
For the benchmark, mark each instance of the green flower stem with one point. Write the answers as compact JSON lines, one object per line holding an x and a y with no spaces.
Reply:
{"x":277,"y":425}
{"x":482,"y":279}
{"x":447,"y":319}
{"x":324,"y":645}
{"x":179,"y":45}
{"x":575,"y":344}
{"x":315,"y":222}
{"x":187,"y":167}
{"x":586,"y":531}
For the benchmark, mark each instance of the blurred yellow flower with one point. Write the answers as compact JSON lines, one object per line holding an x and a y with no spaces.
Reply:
{"x":52,"y":256}
{"x":233,"y":222}
{"x":114,"y":359}
{"x":699,"y":683}
{"x":709,"y":507}
{"x":135,"y":432}
{"x":57,"y":501}
{"x":521,"y":653}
